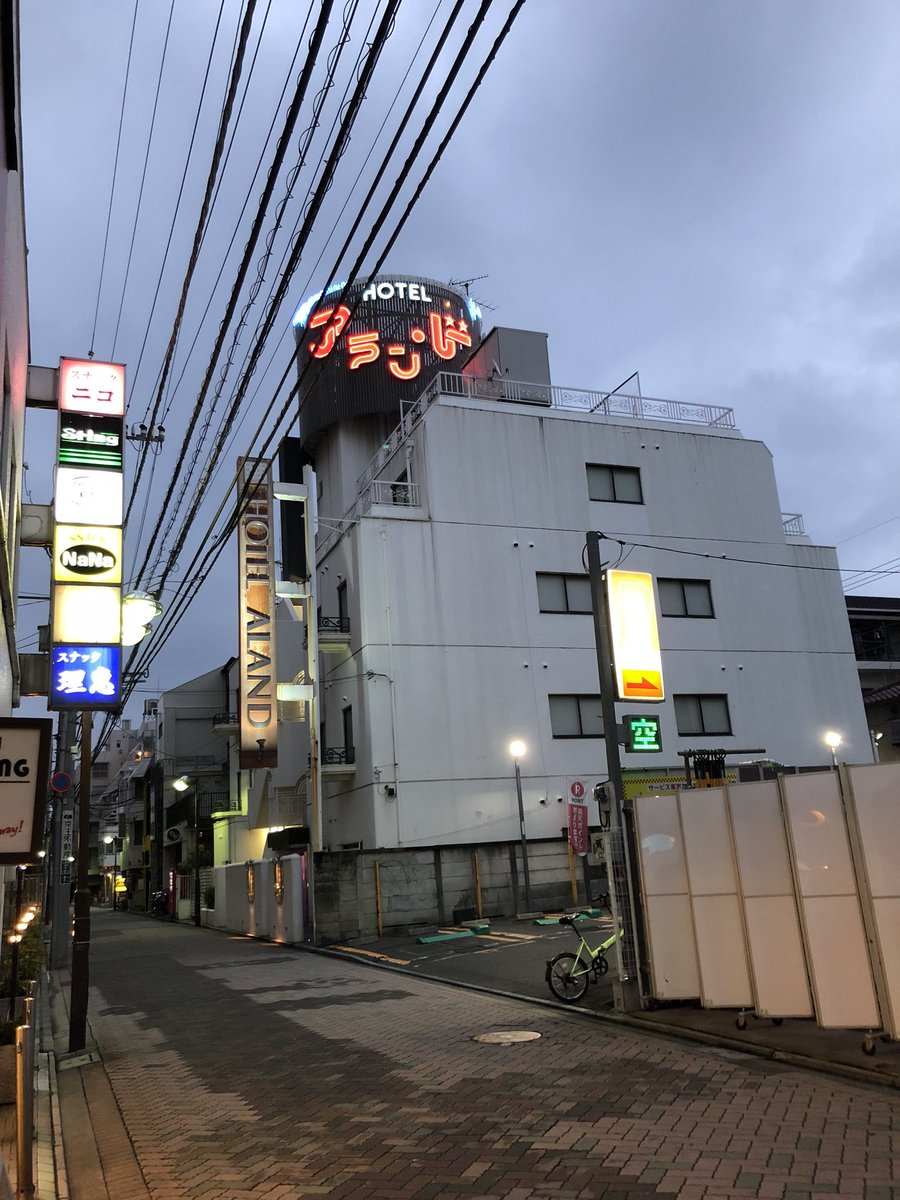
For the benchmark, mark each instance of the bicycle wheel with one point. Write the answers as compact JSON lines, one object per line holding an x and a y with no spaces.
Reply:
{"x":567,"y":978}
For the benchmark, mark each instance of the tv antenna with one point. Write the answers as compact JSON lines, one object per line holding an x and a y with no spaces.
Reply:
{"x":465,"y":284}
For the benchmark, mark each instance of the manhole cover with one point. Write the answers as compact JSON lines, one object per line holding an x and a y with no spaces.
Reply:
{"x":506,"y":1037}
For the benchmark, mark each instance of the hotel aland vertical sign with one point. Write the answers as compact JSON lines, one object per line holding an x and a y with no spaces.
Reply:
{"x":258,"y":715}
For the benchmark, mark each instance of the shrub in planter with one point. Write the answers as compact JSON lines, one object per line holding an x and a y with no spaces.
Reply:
{"x":31,"y":960}
{"x":209,"y":897}
{"x":7,"y":1062}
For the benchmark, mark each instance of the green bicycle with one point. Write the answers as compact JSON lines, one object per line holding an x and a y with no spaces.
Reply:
{"x":568,"y":975}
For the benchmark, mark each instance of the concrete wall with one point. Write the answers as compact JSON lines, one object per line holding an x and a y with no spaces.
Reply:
{"x":451,"y":656}
{"x":426,"y":887}
{"x":416,"y":888}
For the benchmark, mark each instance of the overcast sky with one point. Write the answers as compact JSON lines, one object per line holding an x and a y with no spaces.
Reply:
{"x":704,"y":191}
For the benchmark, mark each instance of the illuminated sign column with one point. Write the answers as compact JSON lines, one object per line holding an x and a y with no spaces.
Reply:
{"x":258,"y":707}
{"x":635,"y":635}
{"x":86,"y":608}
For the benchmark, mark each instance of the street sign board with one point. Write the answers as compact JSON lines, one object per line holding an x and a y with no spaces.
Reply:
{"x":643,"y":734}
{"x":635,"y":636}
{"x":24,"y":770}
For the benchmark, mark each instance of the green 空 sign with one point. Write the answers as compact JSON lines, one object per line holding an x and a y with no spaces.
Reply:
{"x":643,"y":734}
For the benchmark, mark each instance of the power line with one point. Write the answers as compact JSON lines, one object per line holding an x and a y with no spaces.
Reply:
{"x":315,"y":46}
{"x":201,"y":224}
{"x":184,"y":174}
{"x":112,"y":189}
{"x":186,"y":593}
{"x":156,"y":646}
{"x":334,"y":60}
{"x":326,"y":177}
{"x":137,"y":211}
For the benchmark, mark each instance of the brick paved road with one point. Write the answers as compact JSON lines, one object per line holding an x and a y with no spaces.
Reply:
{"x":243,"y":1069}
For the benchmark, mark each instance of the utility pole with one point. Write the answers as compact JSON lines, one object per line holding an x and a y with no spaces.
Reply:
{"x":81,"y":945}
{"x":627,"y":990}
{"x":61,"y":849}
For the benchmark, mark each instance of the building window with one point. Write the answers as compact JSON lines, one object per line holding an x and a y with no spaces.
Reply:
{"x":621,"y":484}
{"x":400,"y":493}
{"x":703,"y":715}
{"x":564,"y":593}
{"x":685,"y":598}
{"x":575,"y":716}
{"x":347,"y":717}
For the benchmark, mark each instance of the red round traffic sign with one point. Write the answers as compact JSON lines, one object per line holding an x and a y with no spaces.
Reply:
{"x":61,"y":781}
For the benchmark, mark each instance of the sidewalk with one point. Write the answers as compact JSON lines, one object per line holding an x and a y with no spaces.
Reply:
{"x":234,"y":1069}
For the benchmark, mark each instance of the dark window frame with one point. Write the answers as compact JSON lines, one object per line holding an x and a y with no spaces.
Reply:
{"x":592,"y":698}
{"x":703,"y":731}
{"x":565,"y":576}
{"x":631,"y":473}
{"x":680,"y":582}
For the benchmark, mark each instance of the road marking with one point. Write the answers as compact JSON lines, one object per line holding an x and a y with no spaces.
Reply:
{"x":399,"y":962}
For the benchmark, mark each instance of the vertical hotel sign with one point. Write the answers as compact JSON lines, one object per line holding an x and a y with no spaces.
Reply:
{"x":86,"y":607}
{"x":258,"y":715}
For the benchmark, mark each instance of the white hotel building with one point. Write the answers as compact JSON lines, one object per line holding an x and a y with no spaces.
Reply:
{"x":454,"y":608}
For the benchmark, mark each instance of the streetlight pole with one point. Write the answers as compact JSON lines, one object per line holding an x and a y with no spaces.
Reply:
{"x":517,"y":749}
{"x":196,"y":855}
{"x":833,"y":740}
{"x":876,"y":738}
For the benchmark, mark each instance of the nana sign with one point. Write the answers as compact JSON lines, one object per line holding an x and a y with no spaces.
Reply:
{"x":24,"y":770}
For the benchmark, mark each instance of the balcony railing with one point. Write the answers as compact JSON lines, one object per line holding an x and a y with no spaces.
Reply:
{"x":210,"y":802}
{"x":337,"y":756}
{"x":793,"y":524}
{"x":334,"y":625}
{"x":384,"y":491}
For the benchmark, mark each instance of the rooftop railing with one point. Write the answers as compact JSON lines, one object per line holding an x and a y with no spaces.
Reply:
{"x":600,"y":404}
{"x":447,"y":383}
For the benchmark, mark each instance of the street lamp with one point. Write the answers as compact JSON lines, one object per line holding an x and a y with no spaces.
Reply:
{"x":138,"y":610}
{"x":182,"y":784}
{"x":832,"y":740}
{"x":111,"y":841}
{"x":876,"y":736}
{"x":517,"y":748}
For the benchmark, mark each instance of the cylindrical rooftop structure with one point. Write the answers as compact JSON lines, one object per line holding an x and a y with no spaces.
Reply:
{"x":377,"y":347}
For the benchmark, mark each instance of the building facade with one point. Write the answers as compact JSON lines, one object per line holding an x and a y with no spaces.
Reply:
{"x":454,"y":607}
{"x":13,"y":346}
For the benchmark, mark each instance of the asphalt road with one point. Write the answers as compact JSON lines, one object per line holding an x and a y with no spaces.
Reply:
{"x":511,"y":958}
